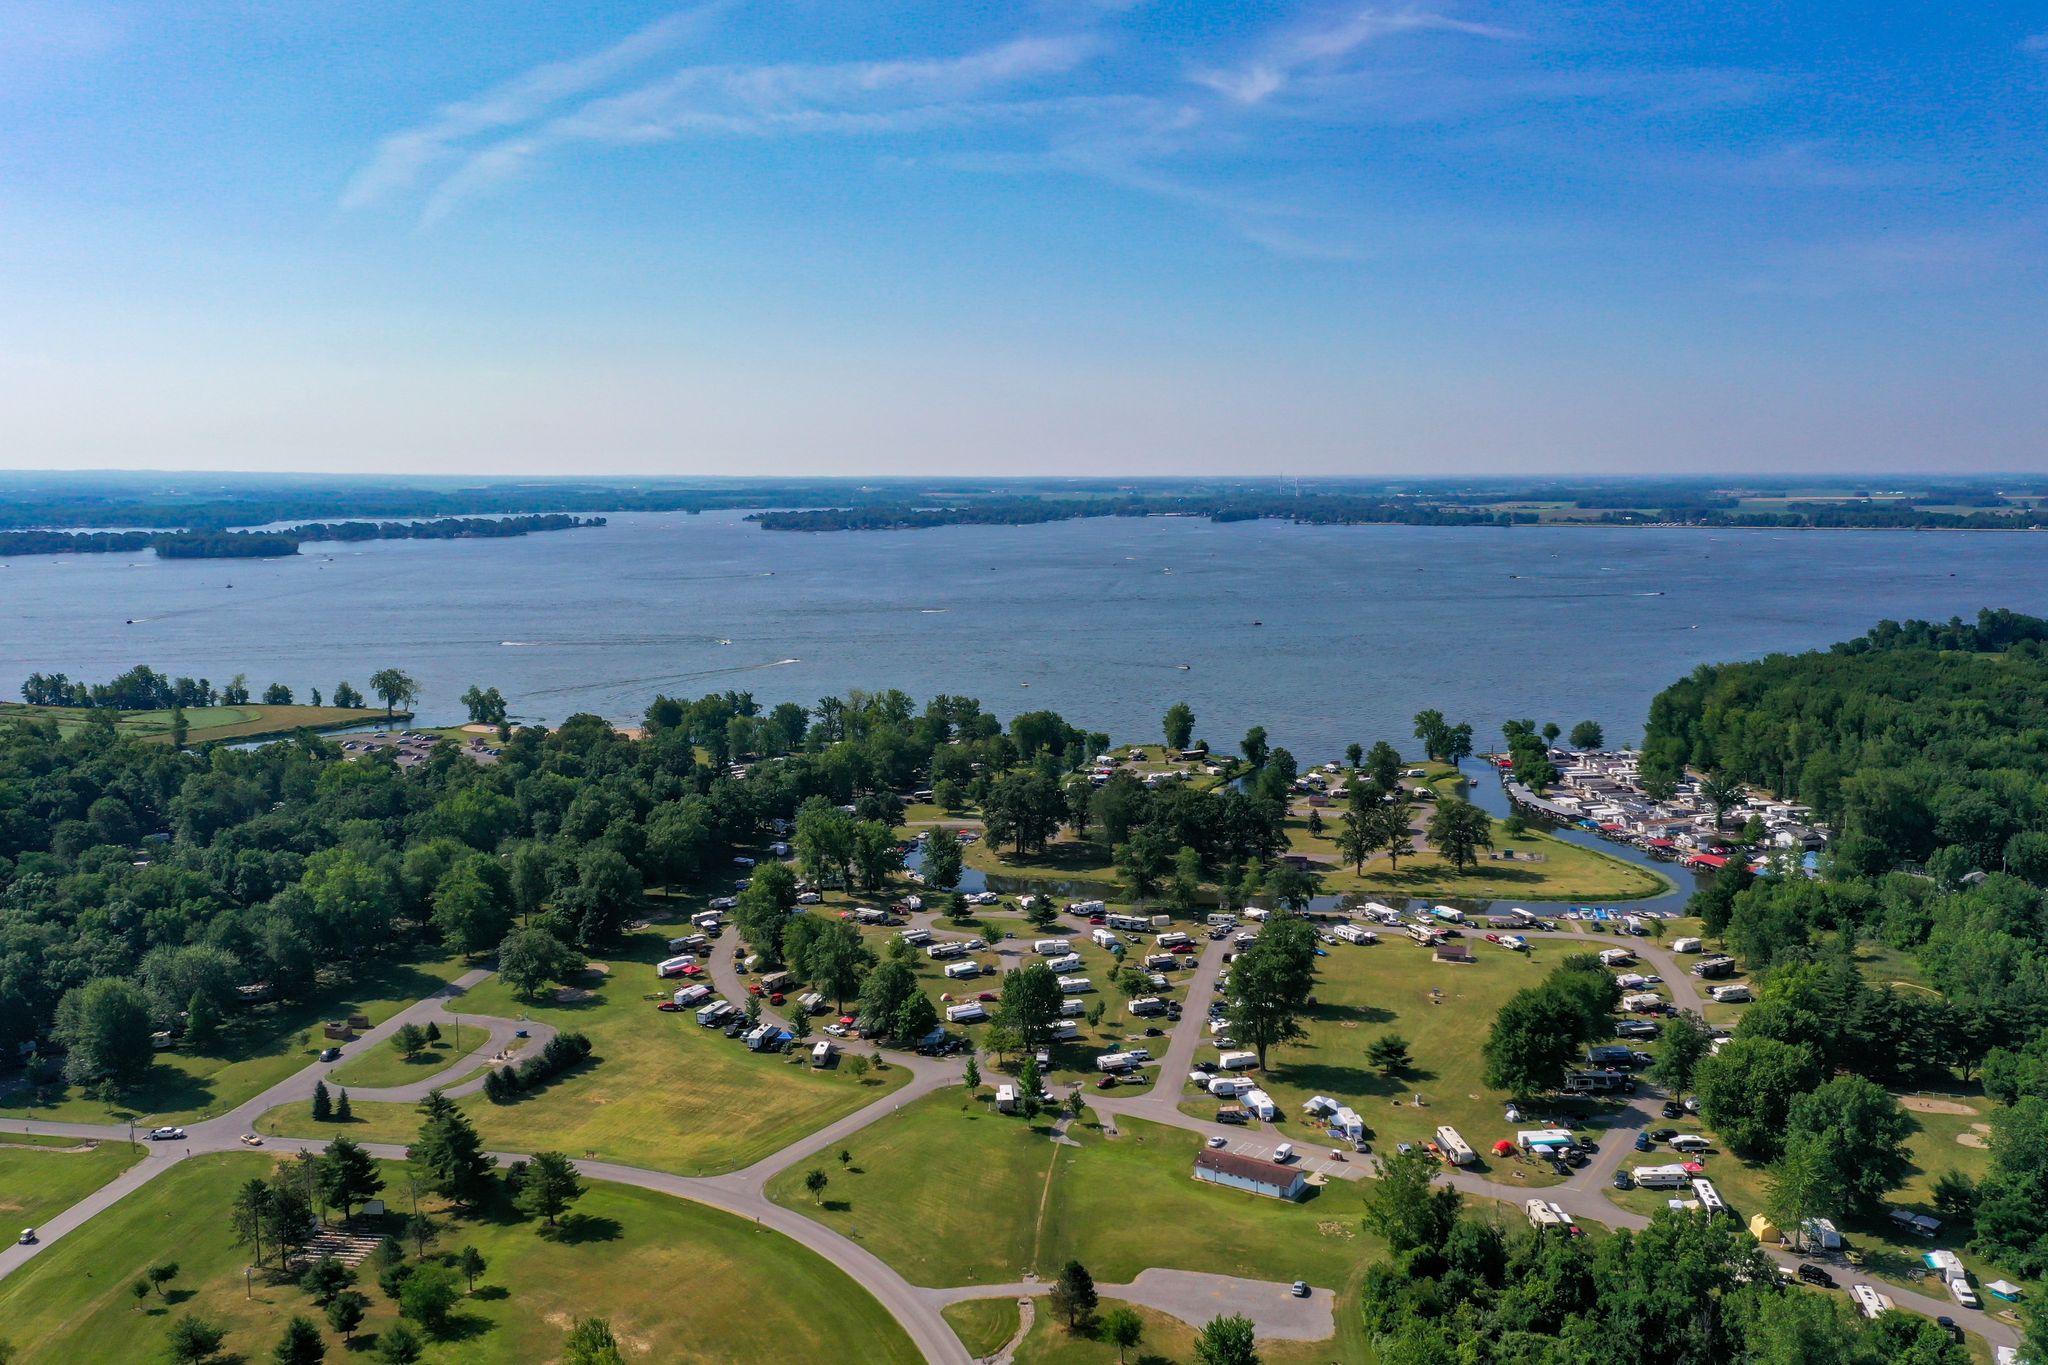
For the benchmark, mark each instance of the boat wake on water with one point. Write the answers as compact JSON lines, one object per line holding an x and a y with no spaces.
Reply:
{"x":662,"y":680}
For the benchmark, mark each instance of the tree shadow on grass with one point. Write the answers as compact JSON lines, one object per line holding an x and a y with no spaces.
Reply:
{"x":578,"y":1228}
{"x":1357,"y":1014}
{"x":837,"y":1206}
{"x":462,"y":1327}
{"x":491,"y":1293}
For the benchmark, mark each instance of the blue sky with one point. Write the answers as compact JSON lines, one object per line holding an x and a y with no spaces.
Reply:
{"x":1065,"y":236}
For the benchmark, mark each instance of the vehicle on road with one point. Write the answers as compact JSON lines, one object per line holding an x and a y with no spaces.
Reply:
{"x":27,"y":1238}
{"x":1216,"y":1139}
{"x":1106,"y":1083}
{"x":330,"y":1054}
{"x":167,"y":1135}
{"x":1301,"y":1289}
{"x":1814,"y":1275}
{"x":251,"y":1140}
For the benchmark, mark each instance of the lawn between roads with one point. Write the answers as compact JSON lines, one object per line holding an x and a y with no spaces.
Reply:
{"x":1024,"y":1203}
{"x":660,"y":1092}
{"x":674,"y":1278}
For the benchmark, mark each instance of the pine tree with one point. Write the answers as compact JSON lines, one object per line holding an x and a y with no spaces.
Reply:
{"x":450,"y":1153}
{"x":342,"y":1113}
{"x":323,"y":1106}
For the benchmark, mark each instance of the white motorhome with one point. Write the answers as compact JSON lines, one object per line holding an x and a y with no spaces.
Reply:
{"x":1662,"y":1177}
{"x":1075,"y":985}
{"x":713,"y":1012}
{"x":1261,"y":1104}
{"x":1545,"y":1214}
{"x":968,"y":1013}
{"x":1172,"y":939}
{"x":1737,"y":994}
{"x":1352,"y":933}
{"x":821,"y":1052}
{"x":1869,"y":1302}
{"x":916,"y":936}
{"x":1105,"y":938}
{"x":1227,"y":1087}
{"x":939,"y":952}
{"x":1454,"y":1147}
{"x":1685,"y":945}
{"x":1049,"y":947}
{"x":1072,"y":1009}
{"x":673,"y":966}
{"x":1237,"y":1061}
{"x":1616,"y":957}
{"x":811,"y":1002}
{"x":1709,"y":1197}
{"x":963,"y":971}
{"x":1130,"y":924}
{"x":690,"y":995}
{"x":1071,"y":962}
{"x":1115,"y":1061}
{"x":1147,"y":1004}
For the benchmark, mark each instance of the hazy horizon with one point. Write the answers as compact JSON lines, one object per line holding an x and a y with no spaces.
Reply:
{"x":1306,"y":237}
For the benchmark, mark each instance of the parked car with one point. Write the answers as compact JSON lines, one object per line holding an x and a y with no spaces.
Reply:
{"x":1557,"y":1164}
{"x":1673,"y":1110}
{"x":1301,"y":1289}
{"x":1106,"y":1083}
{"x":1662,"y":1134}
{"x":1575,"y":1158}
{"x":1814,"y":1275}
{"x":167,"y":1135}
{"x":1623,"y":1181}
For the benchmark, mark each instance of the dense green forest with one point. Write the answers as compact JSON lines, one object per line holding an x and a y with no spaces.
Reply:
{"x":217,"y":544}
{"x":1925,"y":744}
{"x":1915,"y":739}
{"x":141,"y":884}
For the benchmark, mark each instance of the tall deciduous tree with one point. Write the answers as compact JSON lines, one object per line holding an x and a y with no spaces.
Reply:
{"x":1458,"y":830}
{"x":396,"y":687}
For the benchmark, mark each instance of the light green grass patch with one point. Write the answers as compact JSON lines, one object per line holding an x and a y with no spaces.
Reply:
{"x":670,"y":1276}
{"x":984,"y":1326}
{"x":43,"y":1176}
{"x":660,"y":1093}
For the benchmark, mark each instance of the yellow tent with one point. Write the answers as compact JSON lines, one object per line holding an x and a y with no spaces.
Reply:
{"x":1763,"y":1229}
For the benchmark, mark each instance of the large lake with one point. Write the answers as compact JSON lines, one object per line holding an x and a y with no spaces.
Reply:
{"x":1325,"y":635}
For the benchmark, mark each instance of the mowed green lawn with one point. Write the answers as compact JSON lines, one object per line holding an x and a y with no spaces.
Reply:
{"x":203,"y":723}
{"x":984,"y":1326}
{"x":1365,"y":992}
{"x":661,"y":1093}
{"x":41,"y":1176}
{"x":259,"y":1048}
{"x":383,"y":1065}
{"x":676,"y":1281}
{"x":1022,"y":1202}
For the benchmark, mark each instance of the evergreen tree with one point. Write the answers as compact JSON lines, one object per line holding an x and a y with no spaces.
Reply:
{"x":323,"y":1104}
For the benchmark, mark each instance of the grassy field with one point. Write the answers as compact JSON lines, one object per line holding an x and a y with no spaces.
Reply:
{"x":41,"y":1176}
{"x":259,"y":1048}
{"x":984,"y":1326}
{"x":662,"y":1093}
{"x":1112,"y":1203}
{"x":1565,"y":872}
{"x":382,"y":1065}
{"x":207,"y":723}
{"x":1166,"y":1339}
{"x":1364,"y":992}
{"x":666,"y":1273}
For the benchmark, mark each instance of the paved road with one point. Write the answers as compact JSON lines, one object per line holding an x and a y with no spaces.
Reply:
{"x":1193,"y":1297}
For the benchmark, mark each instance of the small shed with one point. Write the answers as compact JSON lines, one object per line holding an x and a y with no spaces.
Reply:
{"x":1453,"y":952}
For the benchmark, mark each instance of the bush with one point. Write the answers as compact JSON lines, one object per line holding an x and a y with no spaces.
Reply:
{"x":563,"y":1052}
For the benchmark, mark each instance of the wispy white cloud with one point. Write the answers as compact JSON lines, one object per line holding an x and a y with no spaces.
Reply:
{"x":402,"y":159}
{"x":845,"y":98}
{"x":1322,"y":45}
